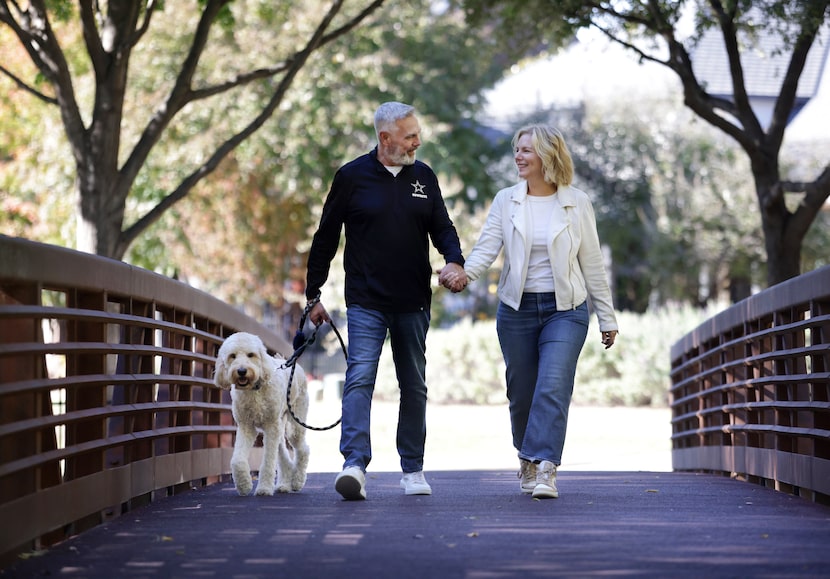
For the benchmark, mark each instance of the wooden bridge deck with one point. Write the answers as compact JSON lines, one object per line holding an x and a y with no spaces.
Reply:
{"x":475,"y":525}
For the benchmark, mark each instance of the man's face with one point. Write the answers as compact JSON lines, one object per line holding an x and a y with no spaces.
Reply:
{"x":398,"y":146}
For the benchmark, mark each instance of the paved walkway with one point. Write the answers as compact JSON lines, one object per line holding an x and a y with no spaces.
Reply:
{"x":475,"y":525}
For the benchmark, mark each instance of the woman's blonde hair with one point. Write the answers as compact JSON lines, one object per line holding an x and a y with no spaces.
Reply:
{"x":557,"y":164}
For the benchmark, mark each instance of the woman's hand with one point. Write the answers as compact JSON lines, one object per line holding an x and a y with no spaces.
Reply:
{"x":453,"y":277}
{"x":608,"y":338}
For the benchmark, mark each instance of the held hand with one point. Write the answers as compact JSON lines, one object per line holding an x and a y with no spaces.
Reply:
{"x":318,"y":314}
{"x":455,"y":286}
{"x":445,"y":272}
{"x":453,"y":277}
{"x":608,"y":338}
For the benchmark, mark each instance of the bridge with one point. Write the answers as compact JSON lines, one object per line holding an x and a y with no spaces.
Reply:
{"x":115,"y":453}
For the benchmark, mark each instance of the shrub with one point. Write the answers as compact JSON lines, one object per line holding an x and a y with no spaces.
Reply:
{"x":635,"y":371}
{"x":465,"y":365}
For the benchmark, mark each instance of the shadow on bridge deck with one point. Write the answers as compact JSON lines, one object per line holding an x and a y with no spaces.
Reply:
{"x":475,"y":525}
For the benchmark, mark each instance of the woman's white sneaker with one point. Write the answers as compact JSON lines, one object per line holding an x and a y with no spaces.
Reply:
{"x":414,"y":483}
{"x":545,"y":481}
{"x":527,"y":476}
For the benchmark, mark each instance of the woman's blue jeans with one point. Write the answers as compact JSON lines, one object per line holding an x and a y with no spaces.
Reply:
{"x":541,"y":347}
{"x":367,"y":334}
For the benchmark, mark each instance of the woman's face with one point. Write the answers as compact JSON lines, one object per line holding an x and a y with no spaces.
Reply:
{"x":527,"y":161}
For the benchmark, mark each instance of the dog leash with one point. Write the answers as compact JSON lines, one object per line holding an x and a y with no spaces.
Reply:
{"x":300,"y":344}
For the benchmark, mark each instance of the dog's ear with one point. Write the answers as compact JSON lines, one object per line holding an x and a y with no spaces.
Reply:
{"x":267,"y":361}
{"x":220,"y":373}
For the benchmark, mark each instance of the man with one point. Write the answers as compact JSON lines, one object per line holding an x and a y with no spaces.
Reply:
{"x":390,"y":205}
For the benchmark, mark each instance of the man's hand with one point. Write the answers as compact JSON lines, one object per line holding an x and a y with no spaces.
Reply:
{"x":453,"y":277}
{"x":318,"y":314}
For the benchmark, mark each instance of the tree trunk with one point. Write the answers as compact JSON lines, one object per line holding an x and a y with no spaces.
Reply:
{"x":100,"y":216}
{"x":100,"y":188}
{"x":782,"y":238}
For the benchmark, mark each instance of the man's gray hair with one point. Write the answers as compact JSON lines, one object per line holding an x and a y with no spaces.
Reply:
{"x":390,"y":113}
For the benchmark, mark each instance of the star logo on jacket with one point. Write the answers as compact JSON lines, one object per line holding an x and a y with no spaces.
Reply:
{"x":418,"y":190}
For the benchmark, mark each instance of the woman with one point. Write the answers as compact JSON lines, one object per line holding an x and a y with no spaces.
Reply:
{"x":552,"y":264}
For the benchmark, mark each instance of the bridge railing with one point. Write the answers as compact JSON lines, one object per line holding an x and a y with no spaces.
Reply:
{"x":751,"y":390}
{"x":106,"y":391}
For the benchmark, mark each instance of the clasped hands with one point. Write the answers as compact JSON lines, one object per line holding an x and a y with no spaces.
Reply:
{"x":453,"y":277}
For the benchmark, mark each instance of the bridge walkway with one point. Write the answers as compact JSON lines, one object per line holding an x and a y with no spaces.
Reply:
{"x":475,"y":525}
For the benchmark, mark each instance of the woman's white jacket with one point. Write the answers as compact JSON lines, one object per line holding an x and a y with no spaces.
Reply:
{"x":573,"y":246}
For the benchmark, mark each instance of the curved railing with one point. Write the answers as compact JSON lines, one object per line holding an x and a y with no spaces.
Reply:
{"x":106,"y":390}
{"x":106,"y":396}
{"x":751,"y":390}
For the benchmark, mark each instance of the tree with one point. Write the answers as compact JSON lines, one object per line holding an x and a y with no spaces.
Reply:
{"x":241,"y":233}
{"x":113,"y":32}
{"x":654,"y":31}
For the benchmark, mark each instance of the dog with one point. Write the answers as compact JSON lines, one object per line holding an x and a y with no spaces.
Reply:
{"x":258,"y":386}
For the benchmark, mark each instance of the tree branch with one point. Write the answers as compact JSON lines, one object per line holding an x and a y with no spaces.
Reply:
{"x":5,"y":13}
{"x":240,"y":80}
{"x":91,"y":37}
{"x":815,"y":196}
{"x":149,"y":10}
{"x":632,"y":47}
{"x":789,"y":87}
{"x":274,"y":70}
{"x":743,"y":108}
{"x":816,"y":192}
{"x":352,"y":23}
{"x":695,"y":97}
{"x":31,"y":90}
{"x":295,"y":64}
{"x":179,"y":96}
{"x":34,"y":31}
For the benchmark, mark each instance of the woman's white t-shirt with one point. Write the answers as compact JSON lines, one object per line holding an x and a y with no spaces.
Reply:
{"x":539,"y":273}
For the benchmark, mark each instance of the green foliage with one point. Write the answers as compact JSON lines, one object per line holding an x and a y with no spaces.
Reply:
{"x":673,"y":202}
{"x":465,"y":365}
{"x":63,"y":10}
{"x":408,"y":53}
{"x":325,"y":118}
{"x":508,"y":21}
{"x":635,"y":371}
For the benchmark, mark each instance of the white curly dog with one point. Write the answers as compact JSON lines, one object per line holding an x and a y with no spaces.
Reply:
{"x":258,"y":387}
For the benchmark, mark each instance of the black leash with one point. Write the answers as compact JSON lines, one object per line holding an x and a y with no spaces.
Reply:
{"x":300,"y":344}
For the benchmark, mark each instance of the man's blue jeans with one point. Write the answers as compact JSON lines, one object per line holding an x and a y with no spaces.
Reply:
{"x":367,"y":333}
{"x":541,"y":347}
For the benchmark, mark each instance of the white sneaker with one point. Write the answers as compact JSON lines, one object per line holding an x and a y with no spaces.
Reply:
{"x":414,"y":483}
{"x":546,"y":481}
{"x":351,"y":483}
{"x":527,"y":476}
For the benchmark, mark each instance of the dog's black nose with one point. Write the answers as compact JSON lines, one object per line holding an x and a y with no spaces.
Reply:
{"x":242,"y":371}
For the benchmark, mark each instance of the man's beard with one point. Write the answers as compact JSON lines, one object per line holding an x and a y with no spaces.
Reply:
{"x":402,"y":157}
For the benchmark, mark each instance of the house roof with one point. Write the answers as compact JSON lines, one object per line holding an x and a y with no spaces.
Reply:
{"x":764,"y":60}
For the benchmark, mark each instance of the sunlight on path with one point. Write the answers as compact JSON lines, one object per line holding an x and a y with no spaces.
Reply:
{"x":478,"y":438}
